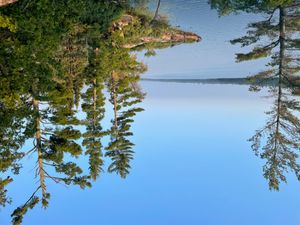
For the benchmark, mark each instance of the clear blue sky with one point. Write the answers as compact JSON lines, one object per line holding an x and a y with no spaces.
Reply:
{"x":193,"y":165}
{"x":214,"y":56}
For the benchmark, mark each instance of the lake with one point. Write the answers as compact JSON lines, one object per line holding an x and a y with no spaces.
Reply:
{"x":186,"y":158}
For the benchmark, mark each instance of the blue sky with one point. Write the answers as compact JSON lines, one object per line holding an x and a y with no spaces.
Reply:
{"x":214,"y":56}
{"x":193,"y":165}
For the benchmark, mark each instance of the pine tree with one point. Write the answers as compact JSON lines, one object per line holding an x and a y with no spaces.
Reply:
{"x":274,"y":38}
{"x":124,"y":95}
{"x":93,"y":105}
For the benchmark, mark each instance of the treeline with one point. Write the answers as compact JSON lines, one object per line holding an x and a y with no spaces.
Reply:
{"x":58,"y":57}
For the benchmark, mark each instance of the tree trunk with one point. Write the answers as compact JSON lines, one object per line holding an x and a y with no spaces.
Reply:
{"x":281,"y":75}
{"x":115,"y":100}
{"x":39,"y":147}
{"x":156,"y":11}
{"x":94,"y":103}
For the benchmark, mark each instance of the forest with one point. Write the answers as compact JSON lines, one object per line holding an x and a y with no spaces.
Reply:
{"x":59,"y":58}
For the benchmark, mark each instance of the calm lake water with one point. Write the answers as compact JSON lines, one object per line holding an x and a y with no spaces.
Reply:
{"x":193,"y":162}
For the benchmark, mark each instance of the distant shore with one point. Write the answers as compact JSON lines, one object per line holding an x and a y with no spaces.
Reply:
{"x":235,"y":81}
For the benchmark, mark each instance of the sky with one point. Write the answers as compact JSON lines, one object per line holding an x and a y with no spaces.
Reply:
{"x":192,"y":164}
{"x":214,"y":56}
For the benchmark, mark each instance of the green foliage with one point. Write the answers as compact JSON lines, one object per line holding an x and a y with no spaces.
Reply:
{"x":3,"y":198}
{"x":282,"y":134}
{"x":257,"y":53}
{"x":278,"y":141}
{"x":62,"y":145}
{"x":18,"y":214}
{"x":124,"y":95}
{"x":68,"y":133}
{"x":229,"y":6}
{"x":58,"y":57}
{"x":6,"y":22}
{"x":93,"y":106}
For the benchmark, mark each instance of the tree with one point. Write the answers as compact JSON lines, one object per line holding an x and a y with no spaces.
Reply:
{"x":52,"y":140}
{"x":123,"y":95}
{"x":93,"y":106}
{"x":123,"y":76}
{"x":157,"y":11}
{"x":282,"y":137}
{"x":273,"y":38}
{"x":3,"y":197}
{"x":251,"y":6}
{"x":48,"y":69}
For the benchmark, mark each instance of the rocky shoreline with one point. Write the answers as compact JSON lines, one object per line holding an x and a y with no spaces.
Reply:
{"x":170,"y":35}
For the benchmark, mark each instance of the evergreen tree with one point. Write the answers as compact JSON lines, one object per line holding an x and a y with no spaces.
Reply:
{"x":124,"y":95}
{"x":274,"y":38}
{"x":55,"y":57}
{"x":93,"y":106}
{"x":282,"y":137}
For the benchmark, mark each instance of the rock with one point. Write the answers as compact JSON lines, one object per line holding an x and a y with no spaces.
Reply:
{"x":171,"y":35}
{"x":168,"y":37}
{"x":123,"y":22}
{"x":6,"y":2}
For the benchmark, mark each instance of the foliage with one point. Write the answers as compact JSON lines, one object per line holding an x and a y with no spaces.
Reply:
{"x":225,"y":7}
{"x":274,"y":38}
{"x":58,"y":57}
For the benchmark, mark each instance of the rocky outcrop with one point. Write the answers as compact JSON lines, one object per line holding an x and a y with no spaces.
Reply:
{"x":6,"y":2}
{"x":170,"y":35}
{"x":121,"y":23}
